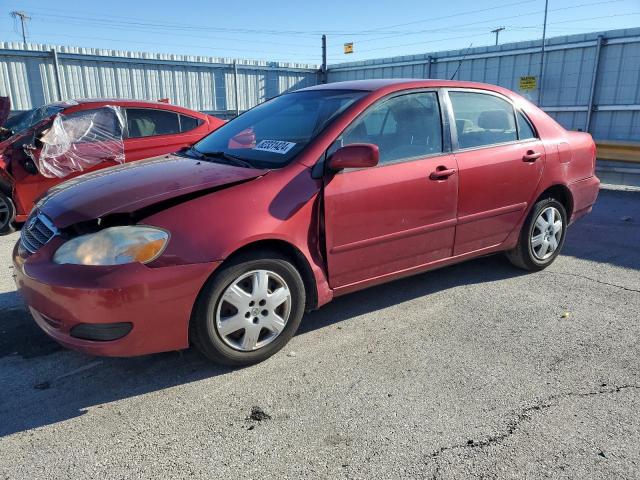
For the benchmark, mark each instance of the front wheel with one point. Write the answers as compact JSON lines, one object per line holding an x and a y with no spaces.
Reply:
{"x":542,"y":236}
{"x":249,"y":309}
{"x":7,"y":215}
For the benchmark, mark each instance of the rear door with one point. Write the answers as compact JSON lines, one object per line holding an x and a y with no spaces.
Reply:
{"x":152,"y":132}
{"x":397,"y":215}
{"x":500,"y":160}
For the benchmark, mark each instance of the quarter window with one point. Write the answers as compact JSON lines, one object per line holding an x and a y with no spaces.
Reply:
{"x":482,"y":119}
{"x":402,"y":127}
{"x":525,"y":130}
{"x":147,"y":122}
{"x":188,"y":123}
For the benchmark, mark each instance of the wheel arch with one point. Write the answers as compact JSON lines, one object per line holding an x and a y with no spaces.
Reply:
{"x":562,"y":194}
{"x":295,"y":255}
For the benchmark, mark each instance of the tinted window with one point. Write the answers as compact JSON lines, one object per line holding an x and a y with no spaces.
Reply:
{"x":482,"y":119}
{"x":525,"y":130}
{"x":147,"y":122}
{"x":273,"y":133}
{"x":403,"y":127}
{"x":188,"y":123}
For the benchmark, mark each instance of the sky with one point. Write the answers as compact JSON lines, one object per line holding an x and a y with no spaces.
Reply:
{"x":288,"y":30}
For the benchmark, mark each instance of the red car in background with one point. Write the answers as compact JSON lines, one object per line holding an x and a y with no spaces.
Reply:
{"x":311,"y":195}
{"x":40,"y":147}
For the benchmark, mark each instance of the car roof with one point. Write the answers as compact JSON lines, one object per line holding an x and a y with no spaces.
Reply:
{"x":400,"y":83}
{"x":84,"y":103}
{"x":112,"y":101}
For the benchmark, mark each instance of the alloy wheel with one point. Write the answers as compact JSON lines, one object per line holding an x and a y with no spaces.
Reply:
{"x":253,"y":310}
{"x":547,"y":233}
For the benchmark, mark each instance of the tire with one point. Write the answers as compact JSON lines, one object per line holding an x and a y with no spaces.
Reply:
{"x":215,"y":318}
{"x":7,"y":215}
{"x":532,"y":257}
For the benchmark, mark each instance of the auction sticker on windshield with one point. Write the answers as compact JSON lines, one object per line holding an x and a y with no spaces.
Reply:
{"x":274,"y":146}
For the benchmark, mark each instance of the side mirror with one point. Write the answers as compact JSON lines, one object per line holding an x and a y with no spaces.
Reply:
{"x":356,"y":155}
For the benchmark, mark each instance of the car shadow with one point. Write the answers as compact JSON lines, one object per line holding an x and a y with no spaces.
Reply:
{"x":42,"y":385}
{"x":57,"y":395}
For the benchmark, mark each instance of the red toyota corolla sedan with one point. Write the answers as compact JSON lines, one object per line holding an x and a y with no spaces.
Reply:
{"x":311,"y":195}
{"x":39,"y":148}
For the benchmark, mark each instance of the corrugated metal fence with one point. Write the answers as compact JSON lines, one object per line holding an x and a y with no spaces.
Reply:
{"x":569,"y":91}
{"x":42,"y":73}
{"x":595,"y":72}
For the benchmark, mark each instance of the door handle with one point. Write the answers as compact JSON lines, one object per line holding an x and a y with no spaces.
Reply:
{"x":442,"y":173}
{"x":531,"y":156}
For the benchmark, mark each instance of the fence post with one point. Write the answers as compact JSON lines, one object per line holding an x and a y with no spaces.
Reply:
{"x":235,"y":87}
{"x":56,"y":73}
{"x":594,"y":79}
{"x":323,"y":68}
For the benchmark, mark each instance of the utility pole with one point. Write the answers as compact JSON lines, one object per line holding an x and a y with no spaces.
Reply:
{"x":23,"y":18}
{"x":544,"y":37}
{"x":323,"y":68}
{"x":497,"y":32}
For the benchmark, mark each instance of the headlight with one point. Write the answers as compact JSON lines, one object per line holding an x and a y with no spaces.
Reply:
{"x":114,"y":246}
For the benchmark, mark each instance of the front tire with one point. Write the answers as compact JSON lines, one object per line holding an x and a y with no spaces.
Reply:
{"x":7,"y":215}
{"x":249,"y":309}
{"x":542,"y":236}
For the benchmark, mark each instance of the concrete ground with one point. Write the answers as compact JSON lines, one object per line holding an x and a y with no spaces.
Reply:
{"x":473,"y":371}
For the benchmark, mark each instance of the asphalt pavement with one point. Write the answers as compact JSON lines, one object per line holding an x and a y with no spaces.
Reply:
{"x":473,"y":371}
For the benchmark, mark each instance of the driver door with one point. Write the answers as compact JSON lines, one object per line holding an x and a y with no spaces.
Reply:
{"x":401,"y":214}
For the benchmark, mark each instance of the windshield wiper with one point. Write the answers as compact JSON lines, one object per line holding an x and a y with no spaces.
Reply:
{"x":226,"y":157}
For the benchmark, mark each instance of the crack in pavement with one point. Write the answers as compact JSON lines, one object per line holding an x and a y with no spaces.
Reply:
{"x":622,"y":287}
{"x":524,"y":415}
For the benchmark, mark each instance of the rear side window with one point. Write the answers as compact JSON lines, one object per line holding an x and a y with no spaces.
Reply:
{"x":482,"y":119}
{"x":147,"y":122}
{"x":525,"y":130}
{"x":188,"y":123}
{"x":403,"y":127}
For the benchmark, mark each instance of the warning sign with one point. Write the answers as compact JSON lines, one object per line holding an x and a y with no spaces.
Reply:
{"x":528,"y":83}
{"x":348,"y":48}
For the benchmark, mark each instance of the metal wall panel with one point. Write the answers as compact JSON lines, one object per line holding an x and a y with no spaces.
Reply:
{"x":28,"y":76}
{"x":568,"y":73}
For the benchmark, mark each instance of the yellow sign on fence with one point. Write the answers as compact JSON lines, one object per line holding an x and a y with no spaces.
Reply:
{"x":528,"y":83}
{"x":348,"y":48}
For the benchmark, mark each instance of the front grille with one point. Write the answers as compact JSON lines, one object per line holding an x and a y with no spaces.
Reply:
{"x":37,"y":232}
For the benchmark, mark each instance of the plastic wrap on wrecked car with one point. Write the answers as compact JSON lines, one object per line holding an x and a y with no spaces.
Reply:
{"x":81,"y":140}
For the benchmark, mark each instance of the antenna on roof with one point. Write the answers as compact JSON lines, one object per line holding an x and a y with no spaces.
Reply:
{"x":461,"y":60}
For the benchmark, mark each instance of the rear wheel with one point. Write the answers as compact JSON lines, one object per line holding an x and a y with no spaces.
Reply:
{"x":7,"y":214}
{"x":542,"y":236}
{"x":249,"y":309}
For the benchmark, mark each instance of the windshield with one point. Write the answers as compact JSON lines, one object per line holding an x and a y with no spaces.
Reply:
{"x":272,"y":134}
{"x":22,"y":121}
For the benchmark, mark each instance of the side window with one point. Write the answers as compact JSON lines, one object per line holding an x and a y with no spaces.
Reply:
{"x":403,"y":127}
{"x":147,"y":122}
{"x":482,"y":119}
{"x":525,"y":130}
{"x":89,"y":126}
{"x":188,"y":123}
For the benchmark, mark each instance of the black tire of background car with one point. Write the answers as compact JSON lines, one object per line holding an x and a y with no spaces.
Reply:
{"x":7,"y":215}
{"x":202,"y":331}
{"x":522,"y":256}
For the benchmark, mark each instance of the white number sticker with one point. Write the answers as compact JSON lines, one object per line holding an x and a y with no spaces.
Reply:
{"x":274,"y":146}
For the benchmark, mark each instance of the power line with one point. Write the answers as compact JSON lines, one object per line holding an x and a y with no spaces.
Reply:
{"x":493,"y":20}
{"x":386,"y":47}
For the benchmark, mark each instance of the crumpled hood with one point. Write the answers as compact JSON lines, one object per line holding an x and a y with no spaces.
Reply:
{"x":132,"y":186}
